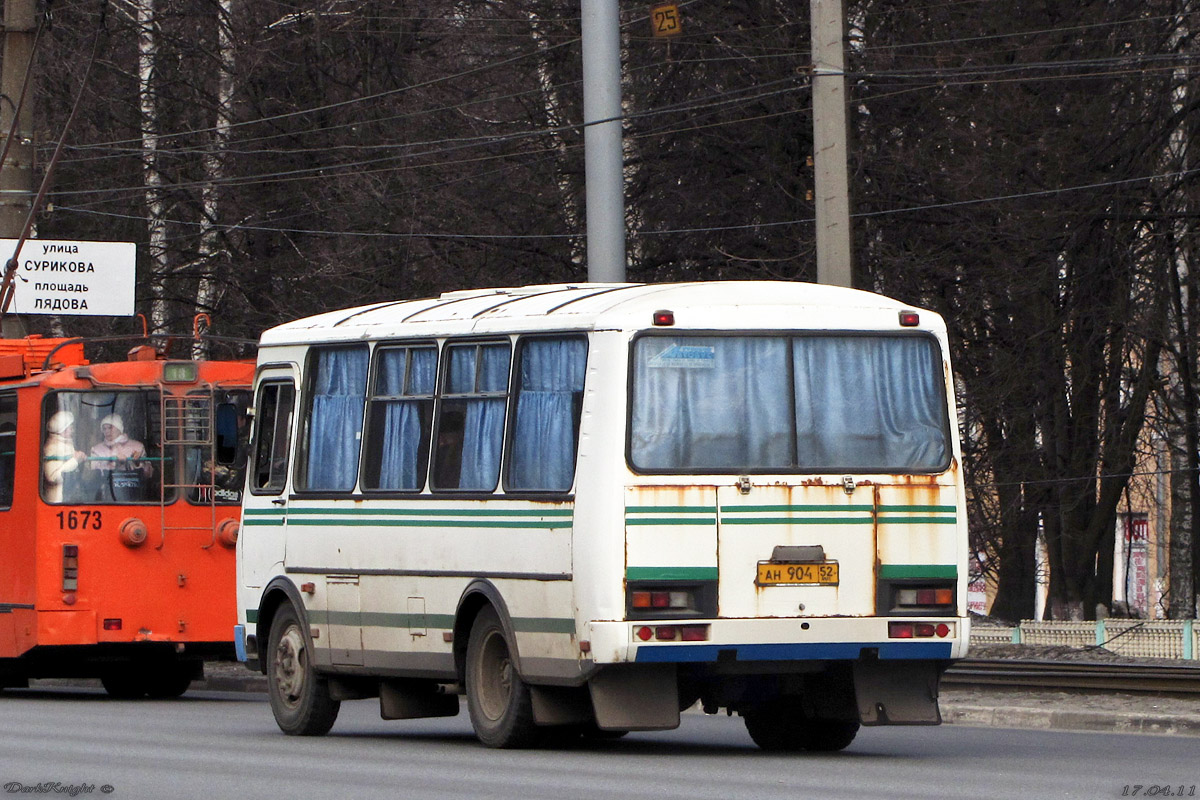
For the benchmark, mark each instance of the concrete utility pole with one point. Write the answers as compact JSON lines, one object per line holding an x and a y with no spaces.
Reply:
{"x":16,"y":173}
{"x":604,"y":167}
{"x":831,"y":192}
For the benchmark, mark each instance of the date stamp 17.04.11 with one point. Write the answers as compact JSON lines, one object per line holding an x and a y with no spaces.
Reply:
{"x":1158,"y":790}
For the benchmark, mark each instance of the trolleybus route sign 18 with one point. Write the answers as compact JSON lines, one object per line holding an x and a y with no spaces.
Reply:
{"x":84,"y":278}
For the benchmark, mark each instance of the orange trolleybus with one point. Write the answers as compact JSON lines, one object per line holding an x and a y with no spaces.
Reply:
{"x":119,"y":492}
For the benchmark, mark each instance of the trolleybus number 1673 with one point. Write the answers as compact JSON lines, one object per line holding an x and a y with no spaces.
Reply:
{"x":78,"y":520}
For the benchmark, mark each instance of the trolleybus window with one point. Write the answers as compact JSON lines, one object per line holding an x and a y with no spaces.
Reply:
{"x":221,"y":460}
{"x":471,"y":418}
{"x":337,"y":388}
{"x":728,"y":403}
{"x":8,"y":448}
{"x":104,"y":447}
{"x":549,"y":395}
{"x":400,"y":418}
{"x":273,"y":437}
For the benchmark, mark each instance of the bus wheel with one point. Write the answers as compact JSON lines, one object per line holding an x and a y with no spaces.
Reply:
{"x":830,"y":735}
{"x":127,"y":684}
{"x":299,"y":696}
{"x":499,"y":701}
{"x":783,"y":728}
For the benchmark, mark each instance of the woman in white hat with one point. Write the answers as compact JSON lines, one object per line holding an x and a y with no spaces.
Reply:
{"x":117,"y":450}
{"x":60,"y":459}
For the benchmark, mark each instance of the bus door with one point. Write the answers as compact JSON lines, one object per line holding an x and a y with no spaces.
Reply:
{"x":264,"y":517}
{"x":796,"y":551}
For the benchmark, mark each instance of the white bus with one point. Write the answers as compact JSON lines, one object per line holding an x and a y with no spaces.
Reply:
{"x":587,"y":507}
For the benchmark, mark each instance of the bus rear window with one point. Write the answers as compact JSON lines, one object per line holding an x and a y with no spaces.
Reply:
{"x":820,"y":403}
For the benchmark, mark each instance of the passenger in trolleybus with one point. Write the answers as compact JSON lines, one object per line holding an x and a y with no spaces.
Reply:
{"x":120,"y":459}
{"x":60,"y":458}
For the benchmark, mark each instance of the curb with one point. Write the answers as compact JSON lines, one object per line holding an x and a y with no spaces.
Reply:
{"x":1070,"y":720}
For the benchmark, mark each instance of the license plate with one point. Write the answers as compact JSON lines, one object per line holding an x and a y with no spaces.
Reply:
{"x":774,"y":573}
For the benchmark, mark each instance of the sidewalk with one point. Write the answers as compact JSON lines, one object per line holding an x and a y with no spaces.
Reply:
{"x":1113,"y":712}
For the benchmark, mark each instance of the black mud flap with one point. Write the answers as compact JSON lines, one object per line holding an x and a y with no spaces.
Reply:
{"x":635,"y":697}
{"x":897,"y":692}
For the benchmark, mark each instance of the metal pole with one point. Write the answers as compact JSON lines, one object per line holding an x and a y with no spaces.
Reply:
{"x":16,"y":173}
{"x":603,"y":159}
{"x":831,"y":192}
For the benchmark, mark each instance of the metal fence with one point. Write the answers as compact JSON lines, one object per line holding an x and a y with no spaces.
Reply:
{"x":1126,"y":637}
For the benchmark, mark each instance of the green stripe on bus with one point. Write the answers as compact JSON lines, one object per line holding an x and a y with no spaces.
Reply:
{"x":671,"y":521}
{"x":847,"y":520}
{"x":892,"y":519}
{"x":785,"y":508}
{"x":947,"y":509}
{"x":252,"y":616}
{"x":426,"y":523}
{"x":384,"y":619}
{"x":438,"y":512}
{"x":670,"y":509}
{"x":918,"y":571}
{"x":671,"y":573}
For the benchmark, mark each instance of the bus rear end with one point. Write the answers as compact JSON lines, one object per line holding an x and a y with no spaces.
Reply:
{"x":795,"y":536}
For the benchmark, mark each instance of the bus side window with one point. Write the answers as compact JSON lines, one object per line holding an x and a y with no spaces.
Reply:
{"x":8,"y":448}
{"x":545,"y":434}
{"x":470,"y":428}
{"x":336,"y":394}
{"x":273,"y":431}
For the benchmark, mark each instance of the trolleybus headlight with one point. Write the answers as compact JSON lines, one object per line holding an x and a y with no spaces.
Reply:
{"x":227,"y":533}
{"x":133,"y":532}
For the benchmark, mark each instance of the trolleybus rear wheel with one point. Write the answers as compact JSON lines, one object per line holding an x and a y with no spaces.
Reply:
{"x":299,"y":696}
{"x":499,"y":701}
{"x":126,"y":684}
{"x":168,"y":681}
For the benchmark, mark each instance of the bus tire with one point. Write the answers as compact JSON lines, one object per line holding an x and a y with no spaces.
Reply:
{"x":783,"y":728}
{"x":499,"y":701}
{"x":300,"y":698}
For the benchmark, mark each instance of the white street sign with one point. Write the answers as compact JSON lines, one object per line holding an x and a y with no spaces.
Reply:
{"x":84,"y":278}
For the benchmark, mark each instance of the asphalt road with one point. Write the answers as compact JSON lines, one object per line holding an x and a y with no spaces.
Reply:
{"x":216,"y":745}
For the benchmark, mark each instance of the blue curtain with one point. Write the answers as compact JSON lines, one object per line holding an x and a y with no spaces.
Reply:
{"x":339,"y":391}
{"x":405,"y":421}
{"x":729,"y":403}
{"x":869,"y":402}
{"x":483,"y":430}
{"x":546,"y":429}
{"x":711,"y":402}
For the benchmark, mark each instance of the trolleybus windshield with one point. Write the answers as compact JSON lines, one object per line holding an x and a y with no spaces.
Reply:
{"x":788,"y":403}
{"x":103,"y":447}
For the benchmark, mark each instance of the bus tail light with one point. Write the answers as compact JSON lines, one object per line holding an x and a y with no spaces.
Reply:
{"x":672,"y":633}
{"x":670,"y":599}
{"x":70,"y":567}
{"x":931,"y":598}
{"x":112,"y":624}
{"x":918,"y":630}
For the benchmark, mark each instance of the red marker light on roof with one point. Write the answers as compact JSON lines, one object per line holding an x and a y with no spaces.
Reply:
{"x":909,"y":319}
{"x":662,"y":318}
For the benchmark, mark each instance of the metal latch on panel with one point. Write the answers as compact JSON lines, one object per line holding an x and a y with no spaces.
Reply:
{"x":743,"y":484}
{"x":848,"y":484}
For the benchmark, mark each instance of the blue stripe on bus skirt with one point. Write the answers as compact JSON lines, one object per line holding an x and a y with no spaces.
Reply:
{"x":826,"y":651}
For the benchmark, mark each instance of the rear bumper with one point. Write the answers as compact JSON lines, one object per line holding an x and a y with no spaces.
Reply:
{"x":792,"y":639}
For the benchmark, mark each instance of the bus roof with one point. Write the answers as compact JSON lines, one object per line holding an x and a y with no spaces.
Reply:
{"x":597,"y":306}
